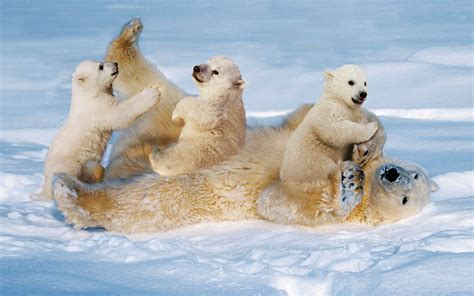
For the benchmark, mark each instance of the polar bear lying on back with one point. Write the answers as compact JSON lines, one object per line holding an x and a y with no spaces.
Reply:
{"x":79,"y":146}
{"x":322,"y":141}
{"x":214,"y":123}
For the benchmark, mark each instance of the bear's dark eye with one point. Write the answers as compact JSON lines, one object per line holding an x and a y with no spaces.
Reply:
{"x":215,"y":72}
{"x":101,"y":67}
{"x":365,"y":83}
{"x":351,"y":82}
{"x":405,"y":200}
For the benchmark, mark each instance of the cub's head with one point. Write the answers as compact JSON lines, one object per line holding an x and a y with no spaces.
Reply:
{"x":219,"y":74}
{"x":400,"y":190}
{"x":347,"y":83}
{"x":92,"y":76}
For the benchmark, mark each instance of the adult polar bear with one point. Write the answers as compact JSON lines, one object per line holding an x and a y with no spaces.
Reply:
{"x":245,"y":187}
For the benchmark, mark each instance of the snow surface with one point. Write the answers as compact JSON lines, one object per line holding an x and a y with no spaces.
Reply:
{"x":419,"y":60}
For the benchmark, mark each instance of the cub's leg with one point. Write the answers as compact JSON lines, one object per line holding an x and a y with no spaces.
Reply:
{"x":178,"y":159}
{"x":92,"y":172}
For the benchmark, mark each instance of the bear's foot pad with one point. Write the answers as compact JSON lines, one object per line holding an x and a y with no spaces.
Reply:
{"x":352,"y":188}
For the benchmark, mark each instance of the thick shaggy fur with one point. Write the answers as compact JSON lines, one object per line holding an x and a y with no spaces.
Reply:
{"x":248,"y":186}
{"x":328,"y":132}
{"x":131,"y":150}
{"x":240,"y":188}
{"x":214,"y":123}
{"x":79,"y":146}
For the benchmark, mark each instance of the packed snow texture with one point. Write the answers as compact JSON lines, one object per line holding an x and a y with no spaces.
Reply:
{"x":419,"y":61}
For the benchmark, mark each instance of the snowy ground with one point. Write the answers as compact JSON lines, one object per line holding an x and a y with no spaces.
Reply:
{"x":419,"y":59}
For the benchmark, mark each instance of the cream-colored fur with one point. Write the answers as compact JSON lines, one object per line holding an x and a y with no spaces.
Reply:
{"x":79,"y":146}
{"x":245,"y":187}
{"x":214,"y":123}
{"x":324,"y":139}
{"x":131,"y":150}
{"x":234,"y":190}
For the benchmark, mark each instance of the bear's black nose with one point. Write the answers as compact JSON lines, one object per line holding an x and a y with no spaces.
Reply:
{"x":196,"y":69}
{"x":392,"y":174}
{"x":363,"y":95}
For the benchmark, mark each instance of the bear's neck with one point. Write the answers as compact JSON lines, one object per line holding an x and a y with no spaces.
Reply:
{"x":222,"y":95}
{"x":82,"y":96}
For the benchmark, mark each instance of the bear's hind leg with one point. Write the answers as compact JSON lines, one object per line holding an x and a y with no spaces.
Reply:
{"x":66,"y":190}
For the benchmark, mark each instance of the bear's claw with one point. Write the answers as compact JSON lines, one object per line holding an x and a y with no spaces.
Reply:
{"x":352,"y":182}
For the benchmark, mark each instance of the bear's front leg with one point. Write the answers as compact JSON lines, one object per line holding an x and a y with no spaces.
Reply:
{"x":351,"y":188}
{"x":136,"y":72}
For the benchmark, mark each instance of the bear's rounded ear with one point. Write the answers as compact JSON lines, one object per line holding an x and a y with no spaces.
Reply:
{"x":80,"y":78}
{"x":328,"y":75}
{"x":434,"y":185}
{"x":240,"y":84}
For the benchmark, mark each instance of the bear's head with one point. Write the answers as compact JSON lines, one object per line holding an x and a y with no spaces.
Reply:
{"x":348,"y":84}
{"x":400,"y":190}
{"x":219,"y":74}
{"x":92,"y":76}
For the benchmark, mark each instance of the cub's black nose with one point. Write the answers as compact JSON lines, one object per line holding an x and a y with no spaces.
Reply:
{"x":363,"y":95}
{"x":196,"y":69}
{"x":392,"y":174}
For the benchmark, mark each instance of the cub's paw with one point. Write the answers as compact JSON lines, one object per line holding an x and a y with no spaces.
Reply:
{"x":351,"y":188}
{"x":131,"y":30}
{"x":372,"y":128}
{"x":151,"y":95}
{"x":363,"y":152}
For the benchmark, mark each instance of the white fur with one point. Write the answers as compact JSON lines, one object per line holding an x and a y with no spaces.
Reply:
{"x":94,"y":114}
{"x":328,"y":131}
{"x":214,"y":122}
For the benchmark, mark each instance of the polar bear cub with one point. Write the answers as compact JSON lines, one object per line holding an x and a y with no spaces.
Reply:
{"x":214,"y":123}
{"x":324,"y":139}
{"x":95,"y":112}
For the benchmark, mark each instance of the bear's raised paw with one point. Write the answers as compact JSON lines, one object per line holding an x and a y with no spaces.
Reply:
{"x":131,"y":30}
{"x":352,"y":187}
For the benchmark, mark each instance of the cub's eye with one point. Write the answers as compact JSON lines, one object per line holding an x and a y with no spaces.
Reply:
{"x":101,"y":67}
{"x":365,"y":83}
{"x":215,"y":72}
{"x":405,"y":200}
{"x":415,"y":177}
{"x":351,"y":82}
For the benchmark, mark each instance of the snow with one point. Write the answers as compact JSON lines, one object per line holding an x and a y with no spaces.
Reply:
{"x":419,"y":61}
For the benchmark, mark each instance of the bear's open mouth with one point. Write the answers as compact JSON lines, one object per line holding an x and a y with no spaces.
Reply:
{"x":197,"y":79}
{"x":115,"y":73}
{"x":358,"y":101}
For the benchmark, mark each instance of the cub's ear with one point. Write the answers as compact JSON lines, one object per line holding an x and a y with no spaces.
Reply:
{"x":80,"y":78}
{"x":240,"y":84}
{"x":434,"y":185}
{"x":328,"y":75}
